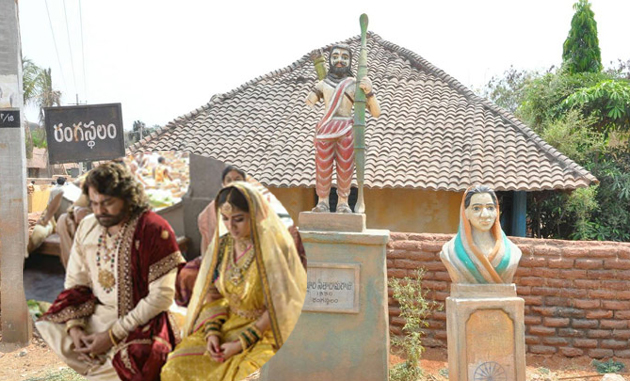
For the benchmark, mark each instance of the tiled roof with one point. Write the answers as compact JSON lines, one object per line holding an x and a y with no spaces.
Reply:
{"x":433,"y":132}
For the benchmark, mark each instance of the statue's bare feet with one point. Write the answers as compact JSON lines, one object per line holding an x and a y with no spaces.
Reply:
{"x":343,"y":208}
{"x":322,"y":207}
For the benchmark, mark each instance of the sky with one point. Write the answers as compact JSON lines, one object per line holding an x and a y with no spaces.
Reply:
{"x":163,"y":59}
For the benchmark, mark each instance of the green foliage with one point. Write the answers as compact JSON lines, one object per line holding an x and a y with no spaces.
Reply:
{"x":414,"y":308}
{"x":39,"y":138}
{"x":607,"y":101}
{"x":63,"y":374}
{"x":508,"y":91}
{"x":572,"y":135}
{"x":609,"y":366}
{"x":581,"y":51}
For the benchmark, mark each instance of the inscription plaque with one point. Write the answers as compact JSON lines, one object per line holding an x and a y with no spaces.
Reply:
{"x":332,"y":287}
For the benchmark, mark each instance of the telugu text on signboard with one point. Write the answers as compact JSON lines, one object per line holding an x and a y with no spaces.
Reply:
{"x":84,"y":133}
{"x":332,"y":287}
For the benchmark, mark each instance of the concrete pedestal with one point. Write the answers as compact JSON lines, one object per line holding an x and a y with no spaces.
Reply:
{"x":485,"y":333}
{"x":343,"y":332}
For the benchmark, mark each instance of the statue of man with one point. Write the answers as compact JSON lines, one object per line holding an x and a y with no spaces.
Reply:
{"x":334,"y":139}
{"x":480,"y":252}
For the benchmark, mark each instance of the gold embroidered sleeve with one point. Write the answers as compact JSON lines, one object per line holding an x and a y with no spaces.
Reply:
{"x":164,"y":265}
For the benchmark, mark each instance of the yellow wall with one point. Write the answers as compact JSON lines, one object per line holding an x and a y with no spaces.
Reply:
{"x":295,"y":200}
{"x":399,"y":210}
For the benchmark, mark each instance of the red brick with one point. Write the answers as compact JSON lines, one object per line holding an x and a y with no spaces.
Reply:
{"x":406,"y":264}
{"x":541,"y":331}
{"x":556,"y":341}
{"x":589,"y":284}
{"x":523,"y":290}
{"x":586,"y":304}
{"x":440,"y":335}
{"x":522,"y":271}
{"x":558,"y":283}
{"x":601,"y":274}
{"x":603,"y":252}
{"x":532,"y":340}
{"x":618,"y":285}
{"x":624,"y":354}
{"x":624,"y":251}
{"x":547,"y":273}
{"x":394,"y":311}
{"x":556,"y":301}
{"x":546,"y":250}
{"x":556,"y":322}
{"x":625,"y":315}
{"x":615,"y":305}
{"x":624,"y":275}
{"x":531,"y":281}
{"x":600,"y":353}
{"x":585,"y":343}
{"x":434,"y":285}
{"x":572,"y":274}
{"x":417,"y":237}
{"x":397,"y":254}
{"x":527,"y":250}
{"x":533,"y":262}
{"x":544,"y":291}
{"x":437,"y":324}
{"x":395,"y":330}
{"x":396,"y":273}
{"x":575,"y":251}
{"x":533,"y":300}
{"x":544,"y":311}
{"x":599,"y":334}
{"x":617,"y":264}
{"x":397,"y":236}
{"x":571,"y":352}
{"x":441,"y":295}
{"x":572,"y":293}
{"x":421,"y":256}
{"x":584,"y":323}
{"x":613,"y":324}
{"x":390,"y":263}
{"x":560,"y":263}
{"x":406,"y":245}
{"x":602,"y":294}
{"x":432,"y":246}
{"x":542,"y":349}
{"x":599,"y":314}
{"x":570,"y":332}
{"x":532,"y":320}
{"x":434,"y":266}
{"x":396,"y":320}
{"x":589,"y":264}
{"x":621,"y":334}
{"x":439,"y":315}
{"x":442,"y":275}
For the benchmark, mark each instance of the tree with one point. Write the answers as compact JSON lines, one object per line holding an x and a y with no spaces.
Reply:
{"x":46,"y":95}
{"x":581,"y":48}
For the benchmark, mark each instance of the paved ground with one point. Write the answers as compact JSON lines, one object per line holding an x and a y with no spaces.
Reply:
{"x":43,"y":277}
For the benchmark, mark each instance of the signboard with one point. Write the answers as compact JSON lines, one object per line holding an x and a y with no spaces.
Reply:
{"x":84,"y":133}
{"x":10,"y":118}
{"x":332,"y":287}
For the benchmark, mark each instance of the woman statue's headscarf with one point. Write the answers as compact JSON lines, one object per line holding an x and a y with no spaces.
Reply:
{"x":466,"y":263}
{"x":282,"y":275}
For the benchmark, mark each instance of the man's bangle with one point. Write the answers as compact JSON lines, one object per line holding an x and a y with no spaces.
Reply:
{"x":369,"y":95}
{"x":112,"y":338}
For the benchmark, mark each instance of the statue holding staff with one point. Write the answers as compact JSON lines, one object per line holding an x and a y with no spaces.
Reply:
{"x":334,"y":138}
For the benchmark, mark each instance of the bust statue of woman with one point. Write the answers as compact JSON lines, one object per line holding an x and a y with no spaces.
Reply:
{"x":480,"y":252}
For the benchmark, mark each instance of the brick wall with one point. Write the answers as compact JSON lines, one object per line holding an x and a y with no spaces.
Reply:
{"x":577,"y":293}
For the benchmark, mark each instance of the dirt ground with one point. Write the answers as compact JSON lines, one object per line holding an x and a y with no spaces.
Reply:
{"x":37,"y":360}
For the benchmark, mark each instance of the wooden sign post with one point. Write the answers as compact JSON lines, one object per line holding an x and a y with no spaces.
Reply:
{"x":16,"y":330}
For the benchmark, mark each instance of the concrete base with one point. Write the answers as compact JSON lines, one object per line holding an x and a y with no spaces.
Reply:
{"x":485,"y":333}
{"x":347,"y":339}
{"x":332,"y":222}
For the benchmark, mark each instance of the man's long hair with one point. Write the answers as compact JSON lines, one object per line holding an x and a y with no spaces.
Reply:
{"x":115,"y":180}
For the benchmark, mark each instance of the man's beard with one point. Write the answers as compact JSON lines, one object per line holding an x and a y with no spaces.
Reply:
{"x":340,"y":72}
{"x":108,"y":220}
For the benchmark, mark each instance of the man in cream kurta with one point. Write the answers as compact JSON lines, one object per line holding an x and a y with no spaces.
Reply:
{"x":113,"y":256}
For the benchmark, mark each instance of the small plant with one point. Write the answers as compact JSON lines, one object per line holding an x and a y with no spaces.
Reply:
{"x":415,"y":309}
{"x":63,"y":374}
{"x":609,"y":366}
{"x":443,"y":372}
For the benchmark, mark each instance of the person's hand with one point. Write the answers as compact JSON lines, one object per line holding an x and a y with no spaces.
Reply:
{"x":214,"y":348}
{"x":77,"y":334}
{"x":96,"y":344}
{"x":309,"y":102}
{"x":230,"y":349}
{"x":366,"y":84}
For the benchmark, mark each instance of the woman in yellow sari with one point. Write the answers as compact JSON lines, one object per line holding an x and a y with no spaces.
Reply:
{"x":248,"y":295}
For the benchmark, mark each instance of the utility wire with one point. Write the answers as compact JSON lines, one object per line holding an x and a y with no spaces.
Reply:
{"x":74,"y":77}
{"x":55,"y":43}
{"x":83,"y":54}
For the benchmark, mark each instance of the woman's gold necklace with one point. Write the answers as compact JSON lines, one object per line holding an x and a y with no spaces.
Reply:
{"x":236,"y":272}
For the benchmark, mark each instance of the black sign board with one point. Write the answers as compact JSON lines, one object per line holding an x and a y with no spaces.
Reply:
{"x":84,"y":133}
{"x":10,"y":118}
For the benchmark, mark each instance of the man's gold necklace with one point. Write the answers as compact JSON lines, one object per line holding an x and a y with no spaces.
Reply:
{"x":105,"y":262}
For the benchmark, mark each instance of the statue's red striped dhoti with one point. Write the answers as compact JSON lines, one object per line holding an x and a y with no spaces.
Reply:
{"x":334,"y":142}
